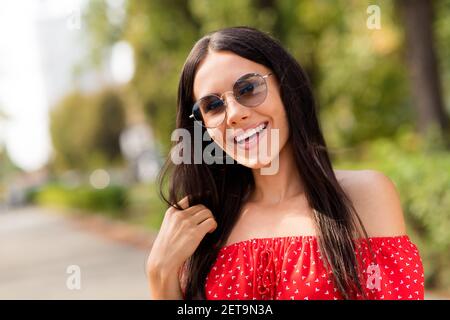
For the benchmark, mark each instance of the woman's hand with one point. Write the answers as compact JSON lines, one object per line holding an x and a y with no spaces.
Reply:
{"x":179,"y":236}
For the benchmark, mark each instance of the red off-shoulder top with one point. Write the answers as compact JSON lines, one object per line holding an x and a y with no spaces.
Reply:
{"x":292,"y":268}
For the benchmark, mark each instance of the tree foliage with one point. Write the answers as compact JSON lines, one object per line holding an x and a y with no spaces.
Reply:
{"x":358,"y":74}
{"x":85,"y":130}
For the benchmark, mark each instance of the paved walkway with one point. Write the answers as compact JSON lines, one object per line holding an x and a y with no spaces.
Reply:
{"x":37,"y":246}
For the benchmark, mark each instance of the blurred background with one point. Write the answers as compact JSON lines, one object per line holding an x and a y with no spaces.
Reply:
{"x":88,"y":103}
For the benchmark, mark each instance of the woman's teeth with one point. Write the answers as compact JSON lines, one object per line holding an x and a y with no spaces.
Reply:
{"x":250,"y":133}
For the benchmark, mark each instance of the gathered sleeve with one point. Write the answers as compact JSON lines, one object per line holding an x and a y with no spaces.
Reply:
{"x":394,"y":270}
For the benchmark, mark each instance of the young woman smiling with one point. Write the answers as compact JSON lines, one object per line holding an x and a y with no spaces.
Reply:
{"x":304,"y":232}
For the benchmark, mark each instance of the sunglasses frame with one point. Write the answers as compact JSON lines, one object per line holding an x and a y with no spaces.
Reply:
{"x":191,"y":116}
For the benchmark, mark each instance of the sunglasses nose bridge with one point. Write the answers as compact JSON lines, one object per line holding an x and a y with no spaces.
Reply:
{"x":223,"y":96}
{"x":225,"y":101}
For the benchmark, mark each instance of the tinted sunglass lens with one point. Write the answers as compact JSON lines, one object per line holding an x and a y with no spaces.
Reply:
{"x":212,"y":110}
{"x":250,"y":90}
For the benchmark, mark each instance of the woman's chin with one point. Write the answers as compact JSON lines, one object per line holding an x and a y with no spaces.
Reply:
{"x":254,"y":162}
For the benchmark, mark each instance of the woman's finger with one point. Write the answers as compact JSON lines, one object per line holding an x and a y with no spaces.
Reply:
{"x":209,"y":225}
{"x":202,"y":215}
{"x":184,"y":203}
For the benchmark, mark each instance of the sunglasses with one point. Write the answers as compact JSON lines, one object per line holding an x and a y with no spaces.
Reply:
{"x":250,"y":90}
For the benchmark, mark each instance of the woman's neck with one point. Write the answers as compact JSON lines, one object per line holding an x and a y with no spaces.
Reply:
{"x":283,"y":185}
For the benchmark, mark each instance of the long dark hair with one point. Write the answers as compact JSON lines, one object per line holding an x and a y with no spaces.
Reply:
{"x":216,"y":187}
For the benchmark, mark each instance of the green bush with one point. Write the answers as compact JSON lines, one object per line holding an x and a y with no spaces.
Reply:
{"x":110,"y":200}
{"x":137,"y":204}
{"x":422,"y":178}
{"x":145,"y":206}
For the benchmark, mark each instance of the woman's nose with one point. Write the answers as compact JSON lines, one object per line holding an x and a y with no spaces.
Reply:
{"x":235,"y":111}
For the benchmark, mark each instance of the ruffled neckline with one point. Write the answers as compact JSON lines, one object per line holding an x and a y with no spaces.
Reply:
{"x":306,"y":237}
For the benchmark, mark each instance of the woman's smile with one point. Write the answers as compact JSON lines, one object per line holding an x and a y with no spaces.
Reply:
{"x":251,"y":137}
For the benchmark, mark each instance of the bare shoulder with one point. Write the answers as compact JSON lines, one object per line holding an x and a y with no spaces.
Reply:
{"x":376,"y":200}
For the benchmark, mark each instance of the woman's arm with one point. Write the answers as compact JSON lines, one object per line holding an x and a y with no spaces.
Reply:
{"x":164,"y":284}
{"x":377,"y":202}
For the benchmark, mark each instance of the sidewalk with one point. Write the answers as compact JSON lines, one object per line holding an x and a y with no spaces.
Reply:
{"x":37,"y":247}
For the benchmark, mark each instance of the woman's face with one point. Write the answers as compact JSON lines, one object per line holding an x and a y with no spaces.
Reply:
{"x":217,"y":74}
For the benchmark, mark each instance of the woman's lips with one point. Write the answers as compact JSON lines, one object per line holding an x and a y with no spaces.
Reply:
{"x":254,"y":140}
{"x":248,"y":131}
{"x":239,"y":132}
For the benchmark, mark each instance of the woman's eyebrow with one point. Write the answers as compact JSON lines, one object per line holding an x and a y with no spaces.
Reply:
{"x":211,"y":93}
{"x":207,"y":94}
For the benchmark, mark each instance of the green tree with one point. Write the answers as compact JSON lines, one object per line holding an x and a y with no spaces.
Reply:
{"x":418,"y":17}
{"x":358,"y":74}
{"x":85,"y":130}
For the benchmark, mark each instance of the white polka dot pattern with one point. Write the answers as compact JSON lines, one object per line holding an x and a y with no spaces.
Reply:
{"x":291,"y":268}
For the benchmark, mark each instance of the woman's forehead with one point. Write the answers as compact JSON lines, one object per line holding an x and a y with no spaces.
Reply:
{"x":219,"y":70}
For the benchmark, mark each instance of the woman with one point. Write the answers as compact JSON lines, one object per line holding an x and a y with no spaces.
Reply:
{"x":303,"y":231}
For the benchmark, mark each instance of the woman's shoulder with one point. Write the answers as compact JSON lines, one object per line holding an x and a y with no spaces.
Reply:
{"x":376,"y":200}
